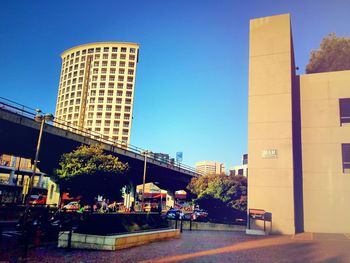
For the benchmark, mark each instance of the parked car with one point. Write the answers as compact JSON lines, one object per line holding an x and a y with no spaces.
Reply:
{"x":187,"y":216}
{"x":40,"y":201}
{"x":72,"y":206}
{"x":37,"y":200}
{"x":173,"y":214}
{"x":200,"y":215}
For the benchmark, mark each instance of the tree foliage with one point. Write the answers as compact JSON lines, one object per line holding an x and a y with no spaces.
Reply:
{"x":88,"y":172}
{"x":231,"y":190}
{"x":333,"y":55}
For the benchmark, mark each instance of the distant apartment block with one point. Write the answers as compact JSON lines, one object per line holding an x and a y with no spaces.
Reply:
{"x":210,"y":167}
{"x":96,"y":89}
{"x":298,"y":136}
{"x":241,"y":169}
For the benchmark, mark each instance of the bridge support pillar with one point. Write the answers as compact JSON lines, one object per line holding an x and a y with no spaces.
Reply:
{"x":11,"y":178}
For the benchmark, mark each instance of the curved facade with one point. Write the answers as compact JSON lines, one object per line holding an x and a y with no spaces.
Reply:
{"x":96,"y":89}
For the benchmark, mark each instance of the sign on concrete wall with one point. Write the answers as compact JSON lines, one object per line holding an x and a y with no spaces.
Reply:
{"x":269,"y":154}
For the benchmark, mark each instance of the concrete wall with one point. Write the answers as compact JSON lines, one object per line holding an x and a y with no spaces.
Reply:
{"x":326,"y":187}
{"x":270,"y":147}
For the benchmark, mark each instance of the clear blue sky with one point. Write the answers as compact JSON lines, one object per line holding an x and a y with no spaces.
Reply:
{"x":192,"y":77}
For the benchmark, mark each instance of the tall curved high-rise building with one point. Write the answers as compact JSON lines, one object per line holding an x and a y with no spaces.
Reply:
{"x":96,"y":89}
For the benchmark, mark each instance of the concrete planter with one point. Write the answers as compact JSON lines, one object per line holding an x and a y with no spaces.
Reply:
{"x":86,"y":241}
{"x":207,"y":226}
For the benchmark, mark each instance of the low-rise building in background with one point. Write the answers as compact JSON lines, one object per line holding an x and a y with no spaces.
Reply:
{"x":210,"y":167}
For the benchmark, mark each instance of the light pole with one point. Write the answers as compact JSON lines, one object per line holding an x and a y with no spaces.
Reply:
{"x":42,"y":119}
{"x":145,"y":153}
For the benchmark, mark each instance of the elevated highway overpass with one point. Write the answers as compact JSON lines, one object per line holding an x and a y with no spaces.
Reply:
{"x":19,"y":135}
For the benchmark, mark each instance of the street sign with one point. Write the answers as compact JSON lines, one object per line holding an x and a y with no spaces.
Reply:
{"x":179,"y":156}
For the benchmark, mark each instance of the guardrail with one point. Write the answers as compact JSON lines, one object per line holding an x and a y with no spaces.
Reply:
{"x":28,"y":112}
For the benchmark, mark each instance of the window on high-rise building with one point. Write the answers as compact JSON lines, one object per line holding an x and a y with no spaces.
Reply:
{"x":344,"y":110}
{"x":105,"y":56}
{"x":106,"y":49}
{"x":98,"y":49}
{"x":132,"y":57}
{"x":90,"y":50}
{"x":346,"y":157}
{"x":114,"y":56}
{"x":123,"y":49}
{"x":114,"y":49}
{"x":132,"y":50}
{"x":122,"y":56}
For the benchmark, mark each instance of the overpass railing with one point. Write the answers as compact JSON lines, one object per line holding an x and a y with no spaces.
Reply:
{"x":28,"y":112}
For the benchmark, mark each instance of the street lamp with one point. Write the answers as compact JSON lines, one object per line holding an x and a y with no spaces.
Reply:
{"x":145,"y":153}
{"x":42,"y":119}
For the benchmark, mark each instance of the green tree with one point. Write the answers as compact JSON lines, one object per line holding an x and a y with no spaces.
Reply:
{"x":88,"y":172}
{"x":230,"y":190}
{"x":333,"y":55}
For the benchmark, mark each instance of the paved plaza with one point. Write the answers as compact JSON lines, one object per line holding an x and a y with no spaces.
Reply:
{"x":207,"y":246}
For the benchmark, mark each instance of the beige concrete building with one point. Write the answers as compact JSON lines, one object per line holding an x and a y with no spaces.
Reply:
{"x":298,"y":136}
{"x":96,"y":89}
{"x":210,"y":167}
